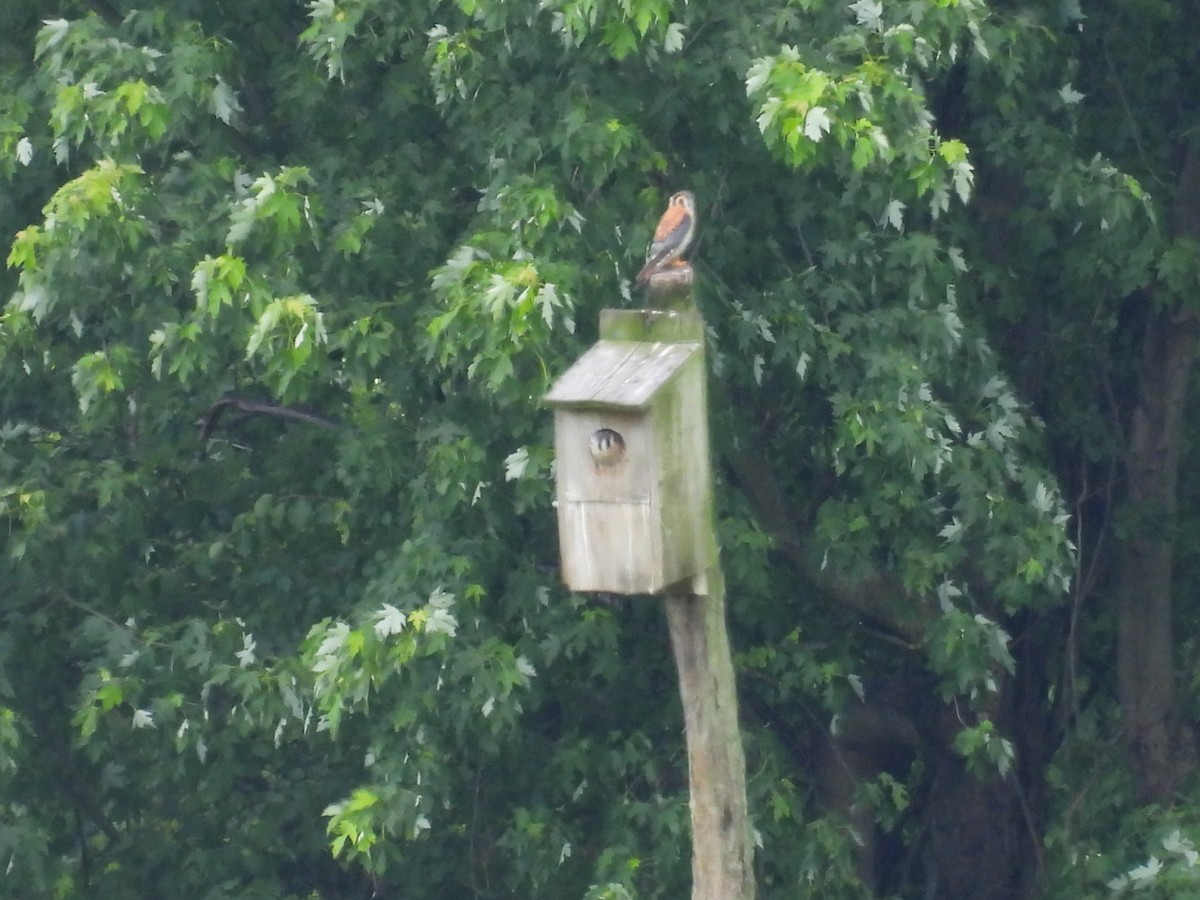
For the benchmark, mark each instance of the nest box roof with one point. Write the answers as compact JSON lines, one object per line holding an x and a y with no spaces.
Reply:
{"x":620,"y":374}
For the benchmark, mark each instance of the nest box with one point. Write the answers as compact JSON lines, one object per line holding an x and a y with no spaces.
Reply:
{"x":631,"y":457}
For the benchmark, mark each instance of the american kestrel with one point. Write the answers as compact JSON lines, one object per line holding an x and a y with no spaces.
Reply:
{"x":673,"y":235}
{"x":606,"y":446}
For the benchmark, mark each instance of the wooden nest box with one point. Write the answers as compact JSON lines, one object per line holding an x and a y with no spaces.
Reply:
{"x":631,"y":453}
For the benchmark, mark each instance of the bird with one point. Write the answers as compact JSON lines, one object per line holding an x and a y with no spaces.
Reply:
{"x":672,"y":236}
{"x":607,"y":447}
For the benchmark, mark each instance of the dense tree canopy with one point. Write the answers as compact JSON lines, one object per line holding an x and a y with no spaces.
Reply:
{"x":286,"y":283}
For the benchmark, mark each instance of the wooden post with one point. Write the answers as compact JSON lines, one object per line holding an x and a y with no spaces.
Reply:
{"x":722,"y":844}
{"x":722,"y":849}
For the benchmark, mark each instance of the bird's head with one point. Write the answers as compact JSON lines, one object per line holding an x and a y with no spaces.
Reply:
{"x":686,"y":199}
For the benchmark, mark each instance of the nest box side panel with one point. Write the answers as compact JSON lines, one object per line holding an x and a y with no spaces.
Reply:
{"x":609,"y":521}
{"x":687,"y":505}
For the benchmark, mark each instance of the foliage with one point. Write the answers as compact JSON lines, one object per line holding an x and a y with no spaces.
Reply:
{"x":280,"y":594}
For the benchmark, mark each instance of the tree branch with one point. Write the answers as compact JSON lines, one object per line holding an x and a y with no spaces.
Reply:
{"x":872,"y":594}
{"x":213,"y":416}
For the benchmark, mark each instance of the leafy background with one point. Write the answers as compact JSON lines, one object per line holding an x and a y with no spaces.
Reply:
{"x":286,"y":284}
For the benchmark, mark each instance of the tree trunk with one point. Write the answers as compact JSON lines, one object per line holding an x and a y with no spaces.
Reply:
{"x":1145,"y":653}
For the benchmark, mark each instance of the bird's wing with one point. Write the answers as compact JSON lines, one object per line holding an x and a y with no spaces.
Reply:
{"x":672,"y":231}
{"x":672,"y":221}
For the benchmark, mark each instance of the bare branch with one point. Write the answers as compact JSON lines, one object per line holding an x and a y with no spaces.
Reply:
{"x":252,"y":407}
